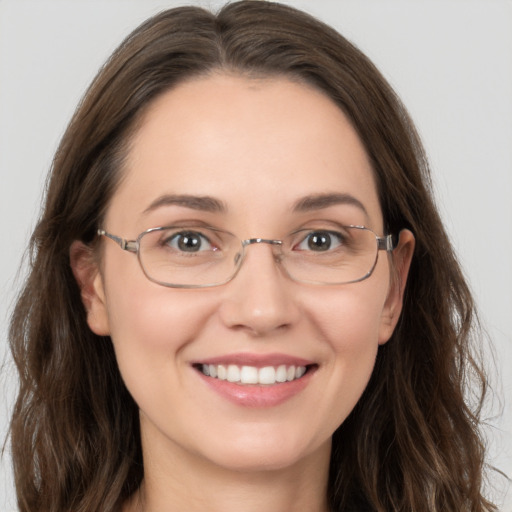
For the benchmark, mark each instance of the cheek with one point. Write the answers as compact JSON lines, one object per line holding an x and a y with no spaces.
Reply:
{"x":351,"y":332}
{"x":348,"y":322}
{"x":150,"y":325}
{"x":349,"y":318}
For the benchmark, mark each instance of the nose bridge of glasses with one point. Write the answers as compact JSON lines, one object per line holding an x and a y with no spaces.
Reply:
{"x":254,"y":241}
{"x":251,"y":241}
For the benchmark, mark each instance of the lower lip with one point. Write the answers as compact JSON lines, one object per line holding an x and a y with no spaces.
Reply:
{"x":250,"y":395}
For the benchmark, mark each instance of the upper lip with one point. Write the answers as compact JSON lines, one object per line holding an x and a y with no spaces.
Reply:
{"x":257,"y":360}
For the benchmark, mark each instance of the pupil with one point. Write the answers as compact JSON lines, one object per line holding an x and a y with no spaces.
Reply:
{"x":189,"y":242}
{"x":319,"y":242}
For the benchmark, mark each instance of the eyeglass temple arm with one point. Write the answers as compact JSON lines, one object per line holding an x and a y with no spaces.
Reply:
{"x":126,"y":245}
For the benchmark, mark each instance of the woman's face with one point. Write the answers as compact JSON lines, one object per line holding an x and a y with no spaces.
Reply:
{"x":258,"y":149}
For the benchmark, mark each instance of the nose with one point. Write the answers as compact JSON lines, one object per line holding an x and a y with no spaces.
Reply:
{"x":259,"y":300}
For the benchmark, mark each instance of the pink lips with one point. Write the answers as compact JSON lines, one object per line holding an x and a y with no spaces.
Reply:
{"x":249,"y":395}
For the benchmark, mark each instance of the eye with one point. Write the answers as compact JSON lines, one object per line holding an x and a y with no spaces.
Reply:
{"x":188,"y":241}
{"x":320,"y":241}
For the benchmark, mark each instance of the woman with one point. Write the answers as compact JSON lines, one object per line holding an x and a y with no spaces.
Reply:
{"x":241,"y":293}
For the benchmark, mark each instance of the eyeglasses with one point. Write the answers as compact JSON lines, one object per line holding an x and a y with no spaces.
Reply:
{"x":200,"y":257}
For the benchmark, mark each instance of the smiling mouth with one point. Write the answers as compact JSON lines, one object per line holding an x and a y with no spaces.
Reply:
{"x":266,"y":376}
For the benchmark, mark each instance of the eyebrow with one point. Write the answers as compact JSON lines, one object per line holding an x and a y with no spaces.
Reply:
{"x":213,"y":205}
{"x":202,"y":203}
{"x":320,"y":201}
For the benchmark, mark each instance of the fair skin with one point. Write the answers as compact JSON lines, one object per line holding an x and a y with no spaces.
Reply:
{"x":258,"y":146}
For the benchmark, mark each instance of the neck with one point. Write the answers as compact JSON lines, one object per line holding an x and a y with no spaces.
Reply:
{"x":179,"y":483}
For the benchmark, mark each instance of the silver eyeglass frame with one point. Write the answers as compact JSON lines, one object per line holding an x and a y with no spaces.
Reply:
{"x":384,"y":243}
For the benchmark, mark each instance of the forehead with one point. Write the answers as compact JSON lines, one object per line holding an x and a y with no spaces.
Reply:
{"x":251,"y":143}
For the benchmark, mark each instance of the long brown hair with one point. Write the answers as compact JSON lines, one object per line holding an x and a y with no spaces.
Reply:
{"x":411,"y":443}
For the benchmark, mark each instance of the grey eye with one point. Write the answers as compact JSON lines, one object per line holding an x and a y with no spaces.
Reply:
{"x":320,"y":241}
{"x":189,"y":241}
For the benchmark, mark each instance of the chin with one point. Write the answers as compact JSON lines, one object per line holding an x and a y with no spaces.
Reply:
{"x":266,"y":453}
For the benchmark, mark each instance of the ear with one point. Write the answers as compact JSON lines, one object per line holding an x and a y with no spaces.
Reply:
{"x":87,"y":274}
{"x":401,"y":262}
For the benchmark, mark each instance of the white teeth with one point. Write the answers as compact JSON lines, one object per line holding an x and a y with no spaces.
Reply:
{"x":267,"y":375}
{"x":300,"y":371}
{"x":233,"y":374}
{"x":221,"y":372}
{"x":251,"y":375}
{"x":281,"y":373}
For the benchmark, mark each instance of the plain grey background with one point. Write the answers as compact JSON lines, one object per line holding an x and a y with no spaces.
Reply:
{"x":449,"y":60}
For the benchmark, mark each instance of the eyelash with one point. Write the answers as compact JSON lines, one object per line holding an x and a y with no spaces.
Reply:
{"x":182,"y":235}
{"x":322,"y":234}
